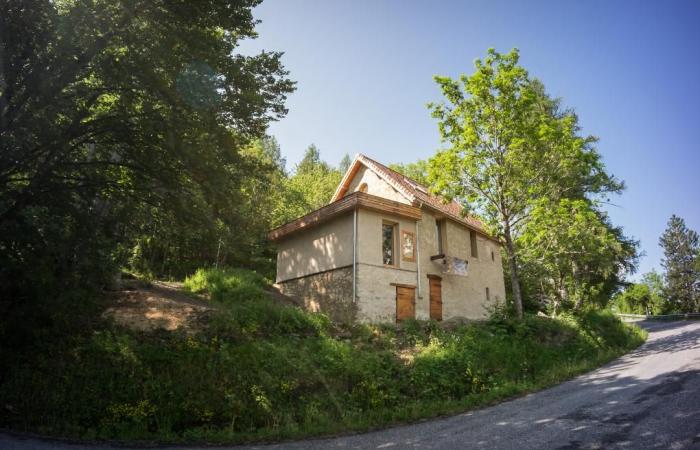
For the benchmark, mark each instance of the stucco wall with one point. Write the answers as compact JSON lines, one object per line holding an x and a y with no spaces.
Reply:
{"x":375,"y":185}
{"x":324,"y":247}
{"x":329,"y":246}
{"x":462,"y":296}
{"x":327,"y":292}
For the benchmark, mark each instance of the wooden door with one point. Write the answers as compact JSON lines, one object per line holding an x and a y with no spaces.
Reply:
{"x":435,"y":297}
{"x":405,"y":303}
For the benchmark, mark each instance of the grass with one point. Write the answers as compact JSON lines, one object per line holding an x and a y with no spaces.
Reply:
{"x":265,"y":371}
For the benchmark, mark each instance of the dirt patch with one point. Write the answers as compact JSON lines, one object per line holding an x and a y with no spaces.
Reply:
{"x":159,"y":305}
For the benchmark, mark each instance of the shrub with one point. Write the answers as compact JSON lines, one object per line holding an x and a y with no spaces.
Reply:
{"x":266,"y":370}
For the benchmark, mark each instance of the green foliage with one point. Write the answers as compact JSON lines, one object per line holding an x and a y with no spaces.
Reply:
{"x":513,"y":152}
{"x":122,"y":138}
{"x":572,"y":255}
{"x":682,"y":264}
{"x":417,"y":171}
{"x":265,"y":370}
{"x":639,"y":298}
{"x":345,"y":164}
{"x":311,"y":187}
{"x":233,"y":285}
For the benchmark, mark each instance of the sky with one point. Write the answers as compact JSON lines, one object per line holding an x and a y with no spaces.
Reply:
{"x":631,"y":71}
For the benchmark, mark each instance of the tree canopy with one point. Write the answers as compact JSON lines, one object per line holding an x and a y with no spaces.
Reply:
{"x":681,"y":262}
{"x":120,"y":120}
{"x":516,"y":158}
{"x":417,"y":171}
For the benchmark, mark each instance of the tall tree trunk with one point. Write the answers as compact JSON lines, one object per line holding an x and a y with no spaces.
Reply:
{"x":513,"y":268}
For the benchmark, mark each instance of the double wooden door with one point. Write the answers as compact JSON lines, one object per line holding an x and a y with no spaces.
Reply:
{"x":435,"y":283}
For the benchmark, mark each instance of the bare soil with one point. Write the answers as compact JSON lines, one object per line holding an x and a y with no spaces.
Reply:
{"x":157,"y":305}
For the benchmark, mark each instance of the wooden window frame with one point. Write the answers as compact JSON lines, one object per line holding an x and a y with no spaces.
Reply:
{"x":395,"y":228}
{"x":412,"y":258}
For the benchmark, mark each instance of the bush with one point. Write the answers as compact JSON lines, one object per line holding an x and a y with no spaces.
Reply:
{"x":266,"y":370}
{"x":230,"y":285}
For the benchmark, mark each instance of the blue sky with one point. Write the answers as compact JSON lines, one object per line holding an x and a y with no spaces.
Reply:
{"x":631,"y":70}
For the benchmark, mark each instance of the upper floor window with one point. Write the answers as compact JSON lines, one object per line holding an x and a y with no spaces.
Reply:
{"x":488,"y":294}
{"x":472,"y":241}
{"x":388,"y":244}
{"x":493,"y":257}
{"x":362,"y":187}
{"x":438,"y":236}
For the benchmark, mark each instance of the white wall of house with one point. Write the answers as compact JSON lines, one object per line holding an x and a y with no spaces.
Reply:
{"x":375,"y":186}
{"x":321,"y":248}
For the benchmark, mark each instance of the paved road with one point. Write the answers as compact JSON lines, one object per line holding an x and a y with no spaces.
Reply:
{"x":649,"y":398}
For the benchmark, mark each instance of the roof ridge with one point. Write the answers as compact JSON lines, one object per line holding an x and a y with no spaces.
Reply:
{"x":410,"y":189}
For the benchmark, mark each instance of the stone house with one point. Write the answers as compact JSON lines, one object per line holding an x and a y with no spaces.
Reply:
{"x":385,"y":249}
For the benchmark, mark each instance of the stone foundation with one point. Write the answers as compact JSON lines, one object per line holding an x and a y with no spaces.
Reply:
{"x":328,"y":292}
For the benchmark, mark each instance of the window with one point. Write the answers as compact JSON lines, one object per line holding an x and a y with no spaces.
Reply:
{"x":472,"y":240}
{"x":362,"y":187}
{"x":408,"y":246}
{"x":438,"y":237}
{"x":388,"y":244}
{"x":493,"y":258}
{"x":488,"y":294}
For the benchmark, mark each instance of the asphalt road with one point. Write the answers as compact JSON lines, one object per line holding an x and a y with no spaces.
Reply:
{"x":649,"y":398}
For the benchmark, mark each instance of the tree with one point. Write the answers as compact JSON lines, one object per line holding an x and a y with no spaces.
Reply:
{"x":311,"y":186}
{"x":115,"y":125}
{"x":417,"y":171}
{"x":681,"y":252}
{"x":511,"y":146}
{"x":345,"y":163}
{"x":638,"y":298}
{"x":571,"y":255}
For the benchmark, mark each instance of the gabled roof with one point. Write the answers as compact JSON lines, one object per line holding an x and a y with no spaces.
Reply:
{"x":416,"y":193}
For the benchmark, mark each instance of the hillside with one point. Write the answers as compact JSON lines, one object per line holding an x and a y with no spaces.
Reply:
{"x":255,"y":368}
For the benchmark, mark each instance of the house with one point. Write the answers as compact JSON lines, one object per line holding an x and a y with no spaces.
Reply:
{"x":385,"y":249}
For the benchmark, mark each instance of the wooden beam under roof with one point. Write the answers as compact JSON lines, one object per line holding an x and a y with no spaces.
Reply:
{"x":345,"y":204}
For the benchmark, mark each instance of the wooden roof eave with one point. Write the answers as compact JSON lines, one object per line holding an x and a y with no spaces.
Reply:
{"x":348,"y":203}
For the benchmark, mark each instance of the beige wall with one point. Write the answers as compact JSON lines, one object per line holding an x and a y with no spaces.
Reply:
{"x":324,"y":247}
{"x":462,"y":296}
{"x":329,"y":246}
{"x":375,"y":186}
{"x":375,"y":295}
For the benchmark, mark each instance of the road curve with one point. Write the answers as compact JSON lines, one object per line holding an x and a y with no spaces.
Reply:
{"x":649,"y":398}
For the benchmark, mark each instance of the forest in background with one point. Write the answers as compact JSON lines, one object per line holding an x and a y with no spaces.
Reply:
{"x":138,"y":141}
{"x":134,"y":139}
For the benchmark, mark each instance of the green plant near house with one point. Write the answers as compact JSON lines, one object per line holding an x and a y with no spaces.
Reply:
{"x":263,"y":370}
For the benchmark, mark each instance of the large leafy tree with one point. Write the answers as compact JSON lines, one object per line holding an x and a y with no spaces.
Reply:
{"x":417,"y":171}
{"x":571,"y":255}
{"x":117,"y":116}
{"x":639,"y":298}
{"x":510,"y":146}
{"x":312,"y":185}
{"x":681,"y":247}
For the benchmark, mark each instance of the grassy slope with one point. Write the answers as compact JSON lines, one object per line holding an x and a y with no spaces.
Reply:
{"x":266,"y":371}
